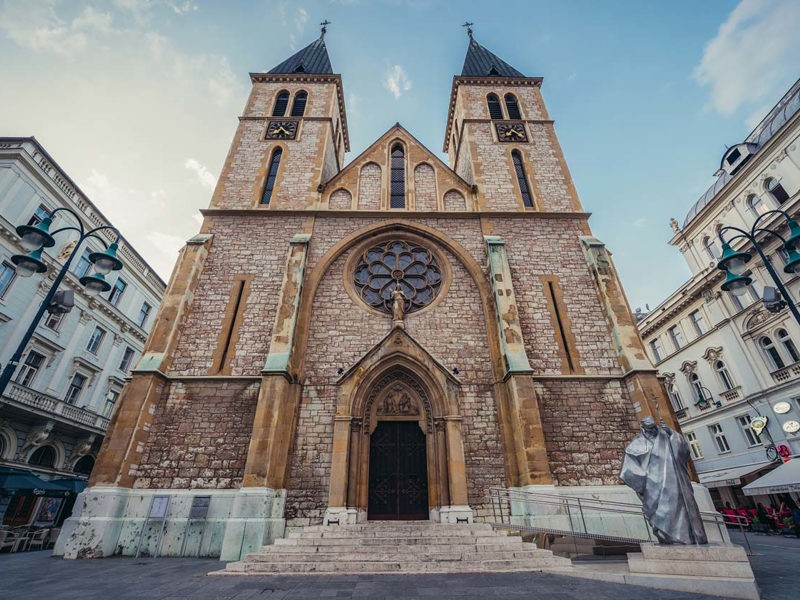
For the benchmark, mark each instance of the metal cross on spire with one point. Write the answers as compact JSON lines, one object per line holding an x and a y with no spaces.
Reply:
{"x":323,"y":28}
{"x":468,"y":25}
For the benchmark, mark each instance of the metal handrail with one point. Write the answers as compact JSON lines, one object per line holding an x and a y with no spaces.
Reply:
{"x":503,"y":497}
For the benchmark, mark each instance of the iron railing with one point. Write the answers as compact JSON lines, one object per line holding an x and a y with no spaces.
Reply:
{"x":581,"y":517}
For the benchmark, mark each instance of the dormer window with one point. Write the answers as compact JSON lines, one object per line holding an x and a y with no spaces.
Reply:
{"x":735,"y":157}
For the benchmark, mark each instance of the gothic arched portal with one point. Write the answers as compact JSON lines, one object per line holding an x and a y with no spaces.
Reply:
{"x":396,"y":392}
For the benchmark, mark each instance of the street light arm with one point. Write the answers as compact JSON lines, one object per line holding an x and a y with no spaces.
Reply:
{"x":742,"y":234}
{"x":80,"y":229}
{"x":768,"y":213}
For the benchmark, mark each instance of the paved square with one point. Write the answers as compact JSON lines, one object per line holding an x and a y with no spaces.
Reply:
{"x":38,"y":575}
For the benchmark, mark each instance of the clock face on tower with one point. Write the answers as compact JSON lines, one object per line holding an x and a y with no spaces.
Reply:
{"x":511,"y":132}
{"x":282,"y":130}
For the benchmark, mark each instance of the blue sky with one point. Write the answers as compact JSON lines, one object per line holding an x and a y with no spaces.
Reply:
{"x":137,"y":99}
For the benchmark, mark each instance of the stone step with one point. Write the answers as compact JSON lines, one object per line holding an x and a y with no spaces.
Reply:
{"x":343,"y":548}
{"x":258,"y":567}
{"x":379,"y":541}
{"x":398,"y":526}
{"x":397,"y":556}
{"x":734,"y":570}
{"x":419,"y":547}
{"x":344,"y":532}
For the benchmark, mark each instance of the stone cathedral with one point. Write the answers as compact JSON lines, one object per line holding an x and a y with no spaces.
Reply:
{"x":387,"y":339}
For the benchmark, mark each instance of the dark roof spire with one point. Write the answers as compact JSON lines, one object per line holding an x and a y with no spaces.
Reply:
{"x":480,"y":62}
{"x":323,"y":28}
{"x":311,"y":59}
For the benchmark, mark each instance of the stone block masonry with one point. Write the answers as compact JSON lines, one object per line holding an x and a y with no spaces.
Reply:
{"x":199,"y":436}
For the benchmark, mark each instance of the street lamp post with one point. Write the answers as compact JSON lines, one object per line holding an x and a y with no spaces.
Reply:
{"x":734,"y":263}
{"x":37,"y":237}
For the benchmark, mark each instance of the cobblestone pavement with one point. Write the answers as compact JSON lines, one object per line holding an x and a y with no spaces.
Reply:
{"x":37,"y":575}
{"x":776,"y":562}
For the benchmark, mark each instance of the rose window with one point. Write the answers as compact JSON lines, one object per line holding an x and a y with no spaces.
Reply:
{"x":383,"y":268}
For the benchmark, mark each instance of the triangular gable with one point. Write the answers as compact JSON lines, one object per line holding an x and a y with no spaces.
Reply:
{"x":396,"y":342}
{"x":378,"y":152}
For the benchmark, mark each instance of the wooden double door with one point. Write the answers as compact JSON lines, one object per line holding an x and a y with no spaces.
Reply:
{"x":398,"y":472}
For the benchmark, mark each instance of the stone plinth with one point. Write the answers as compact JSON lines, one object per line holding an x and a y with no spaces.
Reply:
{"x":109,"y":521}
{"x":715,"y":570}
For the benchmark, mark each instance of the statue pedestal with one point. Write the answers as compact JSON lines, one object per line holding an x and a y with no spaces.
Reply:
{"x":713,"y":569}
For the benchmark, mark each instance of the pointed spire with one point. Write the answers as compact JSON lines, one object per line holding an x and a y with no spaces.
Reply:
{"x":480,"y":62}
{"x":311,"y":59}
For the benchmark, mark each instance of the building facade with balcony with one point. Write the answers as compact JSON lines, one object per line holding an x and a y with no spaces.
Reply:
{"x":727,"y":360}
{"x":54,"y":413}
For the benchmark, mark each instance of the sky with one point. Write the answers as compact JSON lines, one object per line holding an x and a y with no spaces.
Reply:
{"x":137,"y":100}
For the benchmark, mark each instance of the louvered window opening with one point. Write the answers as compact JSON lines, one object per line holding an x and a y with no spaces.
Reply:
{"x":299,"y":104}
{"x":495,"y":110}
{"x":527,"y":199}
{"x":281,"y":102}
{"x":512,"y":108}
{"x":272,"y":175}
{"x":398,"y":182}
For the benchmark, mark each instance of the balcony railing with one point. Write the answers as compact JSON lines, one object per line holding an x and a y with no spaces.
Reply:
{"x":732,"y":394}
{"x":786,"y":373}
{"x":55,"y":406}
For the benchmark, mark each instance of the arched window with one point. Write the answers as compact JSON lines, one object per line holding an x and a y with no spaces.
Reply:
{"x":773,"y":356}
{"x":43,"y":457}
{"x":495,"y":110}
{"x":756,"y":205}
{"x":397,"y":187}
{"x":299,"y":104}
{"x":512,"y":108}
{"x":776,"y":190}
{"x":272,"y":174}
{"x":519,"y":169}
{"x":675,"y":397}
{"x":281,"y":102}
{"x":711,"y":247}
{"x":724,"y":375}
{"x":84,"y":465}
{"x":785,"y":339}
{"x":698,"y":388}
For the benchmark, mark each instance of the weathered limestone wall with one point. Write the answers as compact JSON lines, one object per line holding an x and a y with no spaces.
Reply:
{"x":587,"y":425}
{"x":307,"y":161}
{"x":199,"y":435}
{"x":256,"y":247}
{"x":491,"y":163}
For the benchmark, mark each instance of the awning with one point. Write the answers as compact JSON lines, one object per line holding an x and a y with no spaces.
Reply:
{"x":785,"y":478}
{"x":18,"y":482}
{"x":731,"y":476}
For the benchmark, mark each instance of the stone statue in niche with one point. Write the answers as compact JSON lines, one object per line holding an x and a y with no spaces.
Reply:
{"x":397,"y":403}
{"x":398,"y":307}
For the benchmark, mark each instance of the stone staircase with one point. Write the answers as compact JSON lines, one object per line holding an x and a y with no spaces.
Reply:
{"x":396,"y":547}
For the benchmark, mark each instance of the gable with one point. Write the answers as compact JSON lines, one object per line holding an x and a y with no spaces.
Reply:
{"x":364,"y":184}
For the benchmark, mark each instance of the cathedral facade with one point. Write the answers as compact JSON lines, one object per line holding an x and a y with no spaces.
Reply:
{"x":386,"y":339}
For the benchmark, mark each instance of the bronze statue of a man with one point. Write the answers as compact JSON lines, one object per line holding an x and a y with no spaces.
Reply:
{"x":656,"y":468}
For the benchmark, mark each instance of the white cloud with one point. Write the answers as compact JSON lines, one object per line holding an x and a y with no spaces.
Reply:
{"x":36,"y":26}
{"x":754,"y":52}
{"x":300,"y":19}
{"x":204,"y":176}
{"x":92,"y":19}
{"x":170,"y":105}
{"x":640,"y":223}
{"x":397,"y":81}
{"x":183,"y":7}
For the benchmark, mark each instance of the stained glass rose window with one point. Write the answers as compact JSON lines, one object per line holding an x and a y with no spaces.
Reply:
{"x":413,"y":268}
